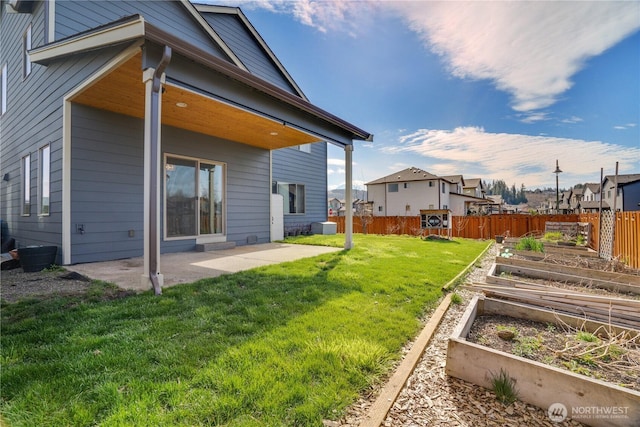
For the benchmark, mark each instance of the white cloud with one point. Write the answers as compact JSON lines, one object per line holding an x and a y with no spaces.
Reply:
{"x":572,"y":120}
{"x":335,"y":162}
{"x":514,"y":158}
{"x":529,"y":49}
{"x":625,"y":127}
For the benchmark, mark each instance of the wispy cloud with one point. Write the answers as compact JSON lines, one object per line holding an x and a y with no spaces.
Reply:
{"x":572,"y":120}
{"x":472,"y":151}
{"x":625,"y":127}
{"x":528,"y":49}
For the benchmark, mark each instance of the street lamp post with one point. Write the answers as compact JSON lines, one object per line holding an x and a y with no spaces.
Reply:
{"x":557,"y":171}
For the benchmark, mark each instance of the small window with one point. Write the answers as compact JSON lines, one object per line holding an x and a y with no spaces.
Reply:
{"x":393,"y":188}
{"x":430,"y":183}
{"x":294,"y":197}
{"x":445,"y":207}
{"x":379,"y":208}
{"x":306,"y":148}
{"x":3,"y":89}
{"x":26,"y":47}
{"x":406,"y":185}
{"x":26,"y":185}
{"x":443,"y":187}
{"x":44,"y":180}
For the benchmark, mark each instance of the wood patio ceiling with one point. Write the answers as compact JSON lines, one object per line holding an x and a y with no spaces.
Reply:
{"x":122,"y":91}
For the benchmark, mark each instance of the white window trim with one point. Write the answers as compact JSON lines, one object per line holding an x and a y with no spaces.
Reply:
{"x":200,"y":238}
{"x":3,"y":82}
{"x":25,"y":173}
{"x":305,"y":148}
{"x":41,"y":180}
{"x":286,"y":199}
{"x":26,"y":46}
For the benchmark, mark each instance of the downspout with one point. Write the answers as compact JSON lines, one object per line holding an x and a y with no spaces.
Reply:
{"x":154,"y":169}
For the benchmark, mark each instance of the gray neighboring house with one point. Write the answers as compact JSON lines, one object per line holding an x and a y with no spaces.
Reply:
{"x":628,"y":192}
{"x":133,"y":128}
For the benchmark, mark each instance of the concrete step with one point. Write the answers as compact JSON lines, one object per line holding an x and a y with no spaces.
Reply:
{"x":217,"y":246}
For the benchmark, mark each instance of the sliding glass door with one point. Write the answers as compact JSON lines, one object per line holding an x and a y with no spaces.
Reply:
{"x":194,"y":197}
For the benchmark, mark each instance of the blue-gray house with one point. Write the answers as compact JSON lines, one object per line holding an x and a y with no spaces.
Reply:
{"x":141,"y":127}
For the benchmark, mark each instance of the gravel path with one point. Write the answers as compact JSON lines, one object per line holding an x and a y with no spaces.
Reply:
{"x":431,"y":398}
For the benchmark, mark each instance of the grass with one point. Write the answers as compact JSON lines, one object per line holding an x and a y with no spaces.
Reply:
{"x":288,"y":344}
{"x":530,"y":244}
{"x":504,"y":387}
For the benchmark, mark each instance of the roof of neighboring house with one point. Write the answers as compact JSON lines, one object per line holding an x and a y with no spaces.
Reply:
{"x":578,"y":190}
{"x":454,"y":179}
{"x":593,"y":204}
{"x":473,"y":182}
{"x":409,"y":174}
{"x":623,"y":179}
{"x":497,"y":198}
{"x":594,"y":188}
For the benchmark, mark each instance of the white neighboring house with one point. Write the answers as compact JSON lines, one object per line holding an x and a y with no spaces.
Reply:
{"x":406,"y":192}
{"x":474,"y":187}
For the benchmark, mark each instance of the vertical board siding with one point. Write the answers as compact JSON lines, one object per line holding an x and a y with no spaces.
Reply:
{"x":298,"y":167}
{"x":234,"y":33}
{"x":73,"y":17}
{"x":107,"y":185}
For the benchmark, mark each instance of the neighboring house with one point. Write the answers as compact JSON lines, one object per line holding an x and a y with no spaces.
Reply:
{"x":474,"y":187}
{"x":334,"y":206}
{"x":577,"y":194}
{"x":407,"y":192}
{"x":628,"y":192}
{"x":457,"y":183}
{"x":565,"y":206}
{"x":135,"y":127}
{"x":591,"y":199}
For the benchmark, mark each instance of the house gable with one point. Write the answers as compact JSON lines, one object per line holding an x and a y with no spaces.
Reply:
{"x":237,"y":32}
{"x":176,"y":17}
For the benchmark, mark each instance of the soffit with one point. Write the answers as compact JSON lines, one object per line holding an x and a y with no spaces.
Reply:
{"x":122,"y":91}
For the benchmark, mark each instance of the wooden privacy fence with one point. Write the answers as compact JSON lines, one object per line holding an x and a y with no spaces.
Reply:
{"x":626,"y":238}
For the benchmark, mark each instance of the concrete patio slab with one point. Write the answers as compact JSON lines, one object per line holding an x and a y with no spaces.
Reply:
{"x":188,"y":267}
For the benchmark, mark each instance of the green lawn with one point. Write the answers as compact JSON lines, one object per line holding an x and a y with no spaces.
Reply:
{"x":288,"y":344}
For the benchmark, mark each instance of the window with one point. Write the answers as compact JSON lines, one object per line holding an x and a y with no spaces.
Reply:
{"x":44,"y":180}
{"x":393,"y":188}
{"x":406,"y":185}
{"x":26,"y":185}
{"x":430,"y":183}
{"x":304,"y":147}
{"x":26,"y":47}
{"x":3,"y":89}
{"x":443,"y":187}
{"x":293,"y":197}
{"x":379,"y":208}
{"x":194,"y":197}
{"x":445,"y":207}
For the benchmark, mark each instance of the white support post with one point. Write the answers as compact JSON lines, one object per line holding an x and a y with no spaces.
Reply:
{"x":150,"y":122}
{"x":348,"y":231}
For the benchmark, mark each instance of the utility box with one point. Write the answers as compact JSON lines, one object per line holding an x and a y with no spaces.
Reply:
{"x":326,"y":227}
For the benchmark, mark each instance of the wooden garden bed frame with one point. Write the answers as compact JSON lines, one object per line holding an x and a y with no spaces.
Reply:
{"x":538,"y":384}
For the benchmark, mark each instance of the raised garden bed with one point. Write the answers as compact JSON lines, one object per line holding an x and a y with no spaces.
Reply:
{"x":614,"y":281}
{"x":588,"y":400}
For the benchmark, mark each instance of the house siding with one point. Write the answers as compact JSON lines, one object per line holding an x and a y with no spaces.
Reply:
{"x":73,"y":17}
{"x":107,"y":189}
{"x":298,"y":167}
{"x":417,"y":196}
{"x":32,"y":120}
{"x":107,"y":185}
{"x":234,"y":33}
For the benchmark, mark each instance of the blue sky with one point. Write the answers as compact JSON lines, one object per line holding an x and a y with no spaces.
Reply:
{"x":492,"y":90}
